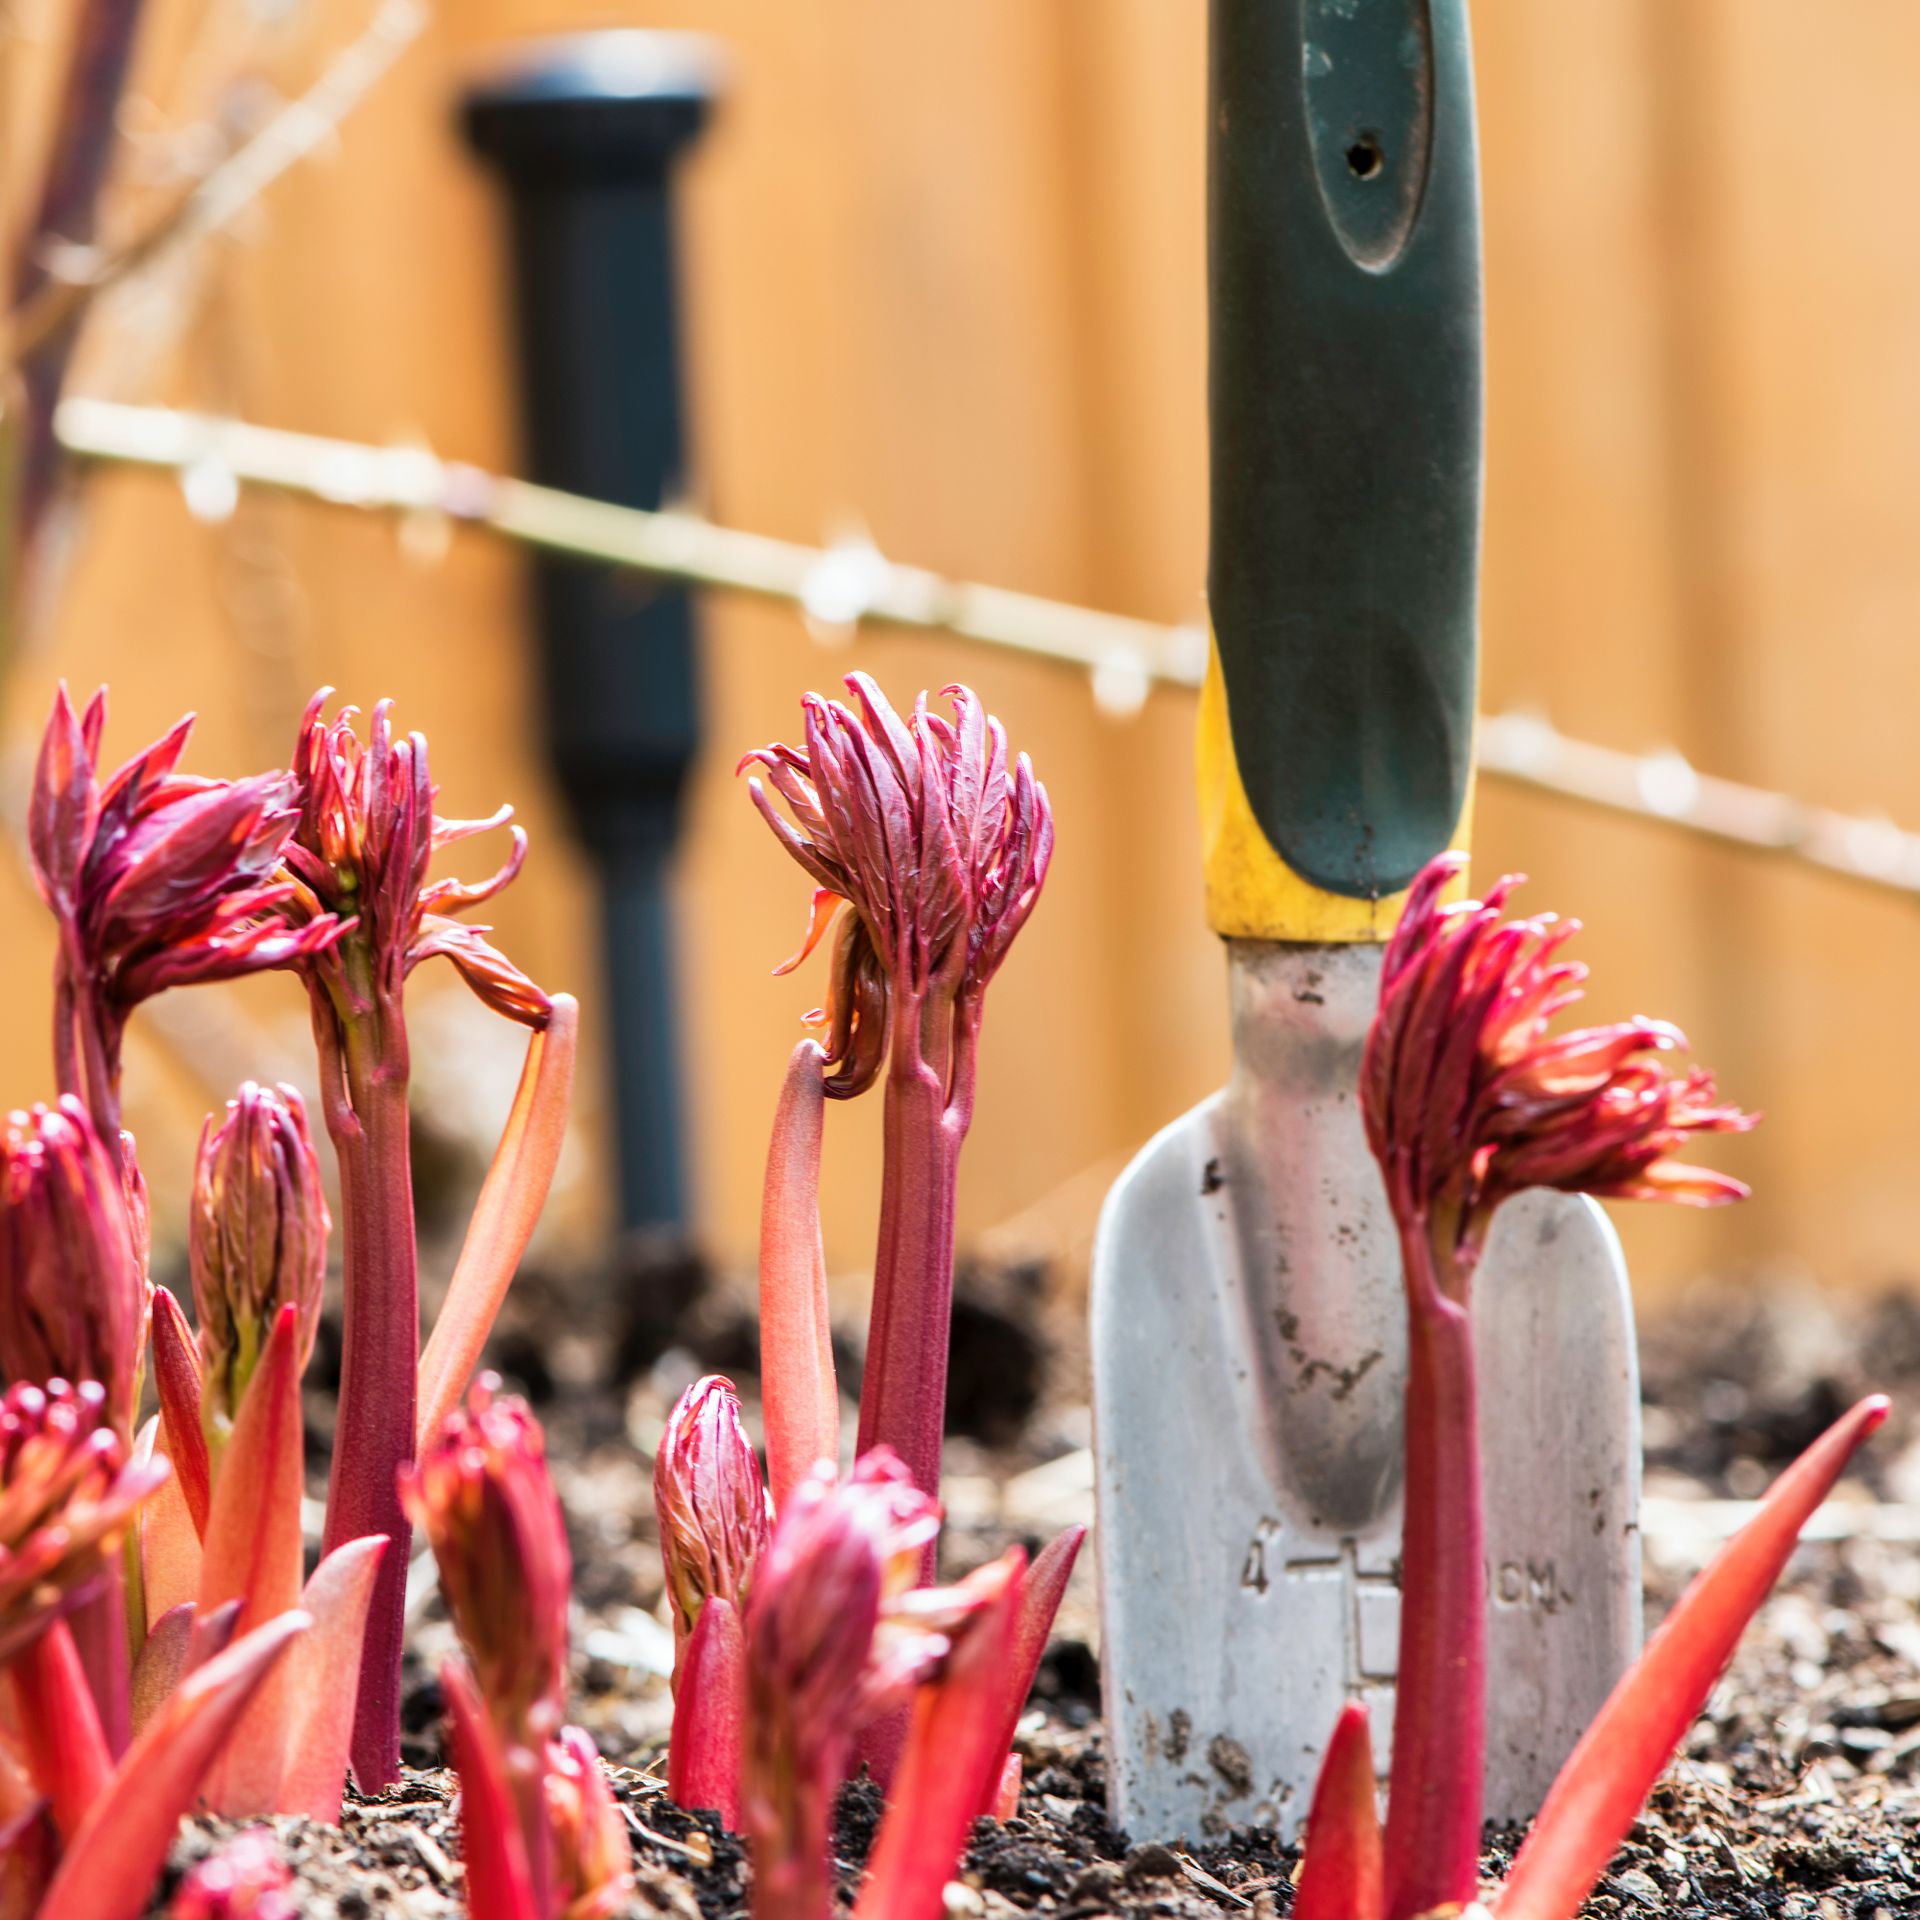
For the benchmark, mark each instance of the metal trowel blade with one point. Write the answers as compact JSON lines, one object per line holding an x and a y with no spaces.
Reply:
{"x":1249,"y":1353}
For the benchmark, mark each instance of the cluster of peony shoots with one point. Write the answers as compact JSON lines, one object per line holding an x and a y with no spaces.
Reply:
{"x":808,"y":1636}
{"x":163,"y":1645}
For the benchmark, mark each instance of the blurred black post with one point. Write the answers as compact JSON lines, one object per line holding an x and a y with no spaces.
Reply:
{"x":585,"y":132}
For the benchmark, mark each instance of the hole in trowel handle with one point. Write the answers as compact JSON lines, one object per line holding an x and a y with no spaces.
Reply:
{"x":1365,"y":160}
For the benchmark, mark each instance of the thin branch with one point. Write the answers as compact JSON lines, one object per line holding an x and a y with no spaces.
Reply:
{"x":294,"y":131}
{"x":839,"y":589}
{"x":83,"y":137}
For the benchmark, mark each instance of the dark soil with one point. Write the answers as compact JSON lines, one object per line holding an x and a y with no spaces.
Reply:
{"x":1796,"y":1797}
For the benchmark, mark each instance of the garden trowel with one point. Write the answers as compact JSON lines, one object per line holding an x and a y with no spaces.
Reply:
{"x":1248,"y":1328}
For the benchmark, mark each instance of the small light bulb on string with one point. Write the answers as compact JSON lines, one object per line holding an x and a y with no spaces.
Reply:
{"x":414,"y":481}
{"x":1121,"y":684}
{"x":840,"y":589}
{"x":1668,"y":784}
{"x":211,"y":490}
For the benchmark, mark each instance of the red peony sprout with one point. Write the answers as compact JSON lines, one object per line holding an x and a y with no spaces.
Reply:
{"x":482,"y":1495}
{"x":708,"y":1499}
{"x":157,"y":879}
{"x":72,"y":1279}
{"x":714,"y":1519}
{"x":256,"y":1236}
{"x":1468,"y":1099}
{"x":544,"y":1838}
{"x":363,"y":835}
{"x":837,"y":1637}
{"x":938,"y":846}
{"x":67,"y":1494}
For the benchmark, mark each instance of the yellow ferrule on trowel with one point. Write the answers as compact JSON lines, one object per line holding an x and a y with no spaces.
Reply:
{"x":1252,"y":894}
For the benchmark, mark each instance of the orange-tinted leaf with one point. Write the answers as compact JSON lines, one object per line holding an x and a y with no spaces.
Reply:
{"x":170,"y":1553}
{"x":505,"y":1215}
{"x":322,"y":1673}
{"x":1602,"y":1786}
{"x":254,"y":1554}
{"x":499,"y":1882}
{"x":1341,"y":1878}
{"x":176,"y":1378}
{"x":109,"y":1870}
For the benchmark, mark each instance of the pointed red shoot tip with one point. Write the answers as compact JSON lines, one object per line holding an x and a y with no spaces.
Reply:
{"x":1039,"y":1601}
{"x":109,"y":1870}
{"x":1612,"y":1770}
{"x":321,"y":1677}
{"x":801,"y":1399}
{"x":1342,"y":1877}
{"x":177,"y":1380}
{"x":65,"y":1748}
{"x":504,"y":1216}
{"x":953,"y":1752}
{"x":499,"y":1881}
{"x":1006,"y":1799}
{"x":709,"y":1715}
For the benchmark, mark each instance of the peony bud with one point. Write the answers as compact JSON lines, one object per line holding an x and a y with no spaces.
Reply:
{"x":710,"y":1504}
{"x":364,"y":834}
{"x":256,"y":1237}
{"x":157,"y":879}
{"x":66,"y":1494}
{"x":939,"y":847}
{"x":837,"y":1638}
{"x":1468,"y":1100}
{"x":481,"y":1494}
{"x":72,"y":1296}
{"x":245,"y":1880}
{"x":592,"y":1856}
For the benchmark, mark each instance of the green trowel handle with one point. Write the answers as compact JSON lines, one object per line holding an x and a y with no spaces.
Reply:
{"x":1345,"y":398}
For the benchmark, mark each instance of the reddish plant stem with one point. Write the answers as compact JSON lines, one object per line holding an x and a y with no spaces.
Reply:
{"x":1439,"y":1719}
{"x":364,"y":1076}
{"x":99,"y":1628}
{"x":793,"y":1862}
{"x":526,"y":1772}
{"x":86,"y":1049}
{"x":800,"y":1399}
{"x":929,"y":1104}
{"x":903,"y":1395}
{"x":66,"y":1747}
{"x":704,"y":1756}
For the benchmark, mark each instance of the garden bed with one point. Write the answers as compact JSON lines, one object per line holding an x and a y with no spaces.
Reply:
{"x":1798,"y":1793}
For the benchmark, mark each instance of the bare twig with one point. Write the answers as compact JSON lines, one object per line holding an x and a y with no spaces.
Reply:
{"x":83,"y":138}
{"x":291,"y":133}
{"x":78,"y":161}
{"x":839,"y":589}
